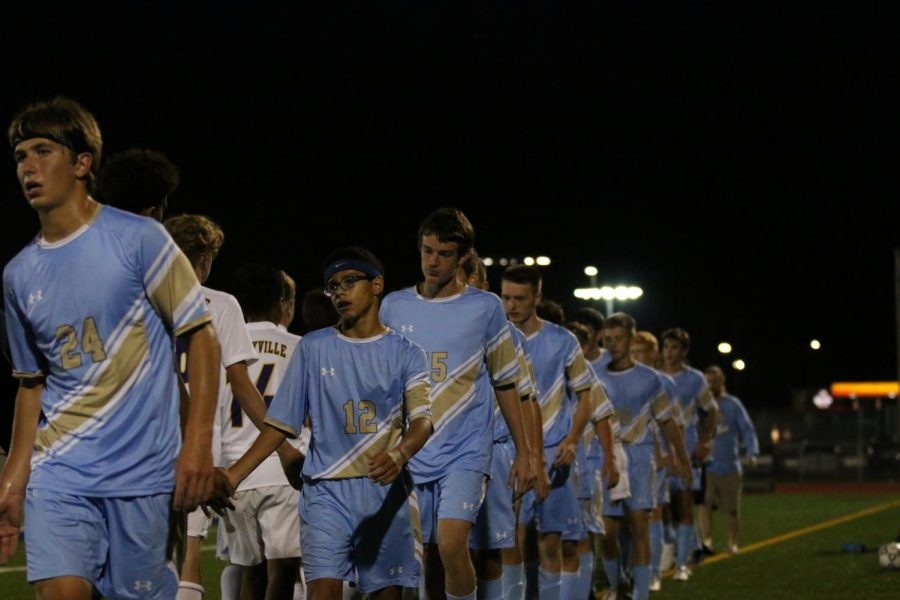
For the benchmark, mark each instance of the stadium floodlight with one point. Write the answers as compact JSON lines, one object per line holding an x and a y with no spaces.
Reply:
{"x":529,"y":260}
{"x":724,"y":347}
{"x":823,"y":399}
{"x":591,"y":271}
{"x":739,"y":365}
{"x":815,"y":344}
{"x":542,"y":261}
{"x":503,"y":262}
{"x":609,"y":293}
{"x":488,"y":261}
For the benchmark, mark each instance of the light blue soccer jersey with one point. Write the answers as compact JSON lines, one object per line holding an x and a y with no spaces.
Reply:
{"x":470,"y":350}
{"x":559,"y":369}
{"x":524,"y":387}
{"x":692,"y":393}
{"x":359,"y":394}
{"x":601,"y":362}
{"x":94,"y":314}
{"x":638,"y":396}
{"x":601,"y":408}
{"x":733,"y":426}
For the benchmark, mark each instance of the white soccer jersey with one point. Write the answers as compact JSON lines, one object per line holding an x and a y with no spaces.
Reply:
{"x":274,"y":347}
{"x":236,"y":346}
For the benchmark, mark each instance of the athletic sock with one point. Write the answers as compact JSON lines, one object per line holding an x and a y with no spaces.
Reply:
{"x":490,"y":589}
{"x":230,"y":582}
{"x":568,"y":584}
{"x":656,"y":543}
{"x":585,"y":576}
{"x":548,"y":585}
{"x":684,"y":544}
{"x":641,"y":575}
{"x":189,"y":591}
{"x":611,"y":568}
{"x":466,"y":597}
{"x":514,"y":582}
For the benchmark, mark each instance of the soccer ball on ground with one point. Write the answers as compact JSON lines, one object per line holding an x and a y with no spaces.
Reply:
{"x":889,"y":555}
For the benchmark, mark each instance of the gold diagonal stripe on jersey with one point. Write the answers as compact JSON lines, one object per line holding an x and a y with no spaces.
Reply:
{"x":550,"y":409}
{"x":502,"y":361}
{"x":417,"y":398}
{"x":452,"y":392}
{"x":636,"y":428}
{"x":95,"y":398}
{"x":173,"y":287}
{"x":380,"y":442}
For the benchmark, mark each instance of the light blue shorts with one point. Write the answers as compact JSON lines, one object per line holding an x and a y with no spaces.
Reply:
{"x":356,"y":530}
{"x":457,"y":495}
{"x":495,"y":526}
{"x":676,"y":484}
{"x":118,"y":544}
{"x":561,"y":511}
{"x":641,"y":479}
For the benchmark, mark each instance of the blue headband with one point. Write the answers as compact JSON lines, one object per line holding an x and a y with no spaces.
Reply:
{"x":357,"y":265}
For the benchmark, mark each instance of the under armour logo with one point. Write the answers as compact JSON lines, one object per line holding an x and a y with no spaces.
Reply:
{"x":468,"y":505}
{"x":407,"y":328}
{"x":327,"y":371}
{"x":143,"y":585}
{"x":500,"y":535}
{"x":35,"y":297}
{"x":396,"y":571}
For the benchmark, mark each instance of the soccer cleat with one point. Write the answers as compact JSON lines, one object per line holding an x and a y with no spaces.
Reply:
{"x":682,"y":573}
{"x":655,"y":584}
{"x":733,"y":549}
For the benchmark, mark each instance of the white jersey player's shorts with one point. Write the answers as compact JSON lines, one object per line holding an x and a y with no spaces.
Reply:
{"x":198,"y":523}
{"x":264,"y":525}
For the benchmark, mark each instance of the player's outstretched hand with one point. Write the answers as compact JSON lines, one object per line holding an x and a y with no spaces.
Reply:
{"x":194,"y":473}
{"x":292,"y":465}
{"x":224,"y":486}
{"x":11,"y":510}
{"x":521,"y":475}
{"x":610,"y":472}
{"x":385,"y":467}
{"x":541,"y":481}
{"x":565,"y":453}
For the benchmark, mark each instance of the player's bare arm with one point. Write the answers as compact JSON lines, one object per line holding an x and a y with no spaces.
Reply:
{"x":14,"y":478}
{"x":385,"y":467}
{"x":565,"y":452}
{"x":673,"y":435}
{"x":252,"y":403}
{"x":194,"y":470}
{"x":609,"y":471}
{"x":704,"y":447}
{"x":521,"y":476}
{"x":536,"y":432}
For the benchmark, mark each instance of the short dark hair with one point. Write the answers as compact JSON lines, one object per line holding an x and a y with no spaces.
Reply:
{"x":137,"y":179}
{"x":589,"y":316}
{"x":317,"y":311}
{"x":620,"y":319}
{"x":258,"y":288}
{"x":64,"y":121}
{"x":579,"y":332}
{"x":679,"y":335}
{"x":523,"y":274}
{"x":474,"y":264}
{"x":449,"y":225}
{"x":550,"y":310}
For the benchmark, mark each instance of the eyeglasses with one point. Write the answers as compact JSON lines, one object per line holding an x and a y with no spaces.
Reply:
{"x":345,"y":284}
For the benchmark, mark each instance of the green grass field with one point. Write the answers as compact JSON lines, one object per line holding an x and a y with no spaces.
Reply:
{"x":806,"y":566}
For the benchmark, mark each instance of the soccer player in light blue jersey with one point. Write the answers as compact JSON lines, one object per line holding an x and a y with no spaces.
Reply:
{"x":365,"y":390}
{"x":592,"y":321}
{"x":724,"y":472}
{"x":693,"y":395}
{"x":473,"y":360}
{"x":639,"y":396}
{"x":93,"y":303}
{"x":561,"y":374}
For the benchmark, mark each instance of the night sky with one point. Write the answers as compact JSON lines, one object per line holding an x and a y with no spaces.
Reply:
{"x":737,"y":164}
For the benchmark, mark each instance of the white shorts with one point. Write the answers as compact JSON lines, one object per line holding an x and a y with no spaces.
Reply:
{"x":198,"y":524}
{"x":264,"y":525}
